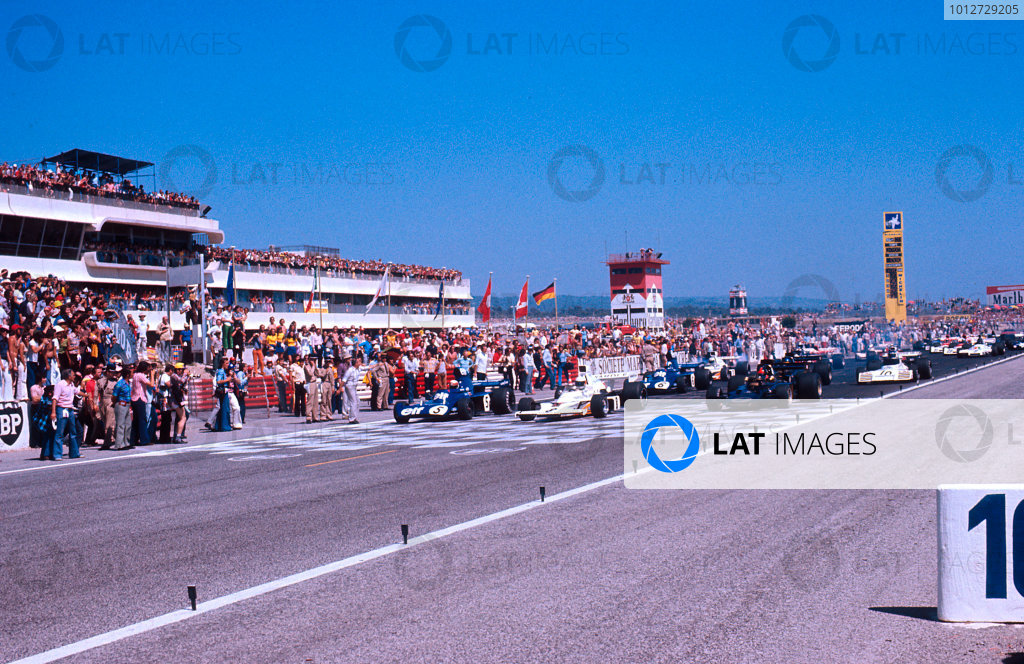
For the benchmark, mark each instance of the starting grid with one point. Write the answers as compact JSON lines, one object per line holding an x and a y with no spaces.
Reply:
{"x":459,"y":436}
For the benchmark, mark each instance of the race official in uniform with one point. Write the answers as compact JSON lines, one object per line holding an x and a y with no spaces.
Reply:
{"x":312,"y":391}
{"x":351,"y":381}
{"x":298,"y":378}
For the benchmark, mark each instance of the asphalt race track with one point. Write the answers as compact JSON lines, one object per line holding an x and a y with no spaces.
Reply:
{"x":602,"y":574}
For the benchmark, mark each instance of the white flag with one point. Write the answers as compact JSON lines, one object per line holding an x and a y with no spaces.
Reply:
{"x":382,"y":288}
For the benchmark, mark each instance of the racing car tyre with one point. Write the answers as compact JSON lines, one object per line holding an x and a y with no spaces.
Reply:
{"x":998,"y":348}
{"x":682,"y":385}
{"x":399,"y":407}
{"x":464,"y":408}
{"x":782,"y":392}
{"x":874,"y":363}
{"x":924,"y":369}
{"x":742,"y":368}
{"x":633,"y":389}
{"x":838,"y":361}
{"x":598,"y":406}
{"x":503,"y":401}
{"x":701,"y":378}
{"x":808,"y":385}
{"x":735,"y":383}
{"x":528,"y":403}
{"x":918,"y":345}
{"x":824,"y":369}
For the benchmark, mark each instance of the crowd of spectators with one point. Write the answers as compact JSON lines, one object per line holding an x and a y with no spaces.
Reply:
{"x":57,"y":347}
{"x":92,"y":183}
{"x":124,"y":253}
{"x":329,"y":265}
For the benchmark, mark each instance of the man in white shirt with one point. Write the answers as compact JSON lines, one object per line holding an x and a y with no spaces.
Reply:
{"x":411,"y":365}
{"x":482,"y":362}
{"x":350,"y":381}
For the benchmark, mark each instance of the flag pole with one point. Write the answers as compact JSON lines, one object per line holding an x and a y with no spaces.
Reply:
{"x":319,"y":293}
{"x":387,"y":278}
{"x":234,"y":281}
{"x":490,"y":275}
{"x":526,"y":322}
{"x":555,"y":284}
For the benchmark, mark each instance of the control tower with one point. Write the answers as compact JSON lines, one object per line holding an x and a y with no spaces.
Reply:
{"x":637,"y":298}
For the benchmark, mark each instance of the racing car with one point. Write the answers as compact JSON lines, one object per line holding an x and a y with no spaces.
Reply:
{"x":460,"y":401}
{"x":894,"y":367}
{"x":785,"y":378}
{"x":981,"y":348}
{"x":588,"y":397}
{"x":832,"y":354}
{"x":679,"y":377}
{"x":1012,"y":340}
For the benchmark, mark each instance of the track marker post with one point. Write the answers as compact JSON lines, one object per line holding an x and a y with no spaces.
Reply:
{"x":192,"y":596}
{"x":405,"y":533}
{"x":542,"y":494}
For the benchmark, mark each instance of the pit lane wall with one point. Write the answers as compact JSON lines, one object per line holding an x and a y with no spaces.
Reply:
{"x":14,"y":425}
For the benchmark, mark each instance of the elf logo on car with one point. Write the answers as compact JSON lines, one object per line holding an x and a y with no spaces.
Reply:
{"x":11,"y":422}
{"x":411,"y":411}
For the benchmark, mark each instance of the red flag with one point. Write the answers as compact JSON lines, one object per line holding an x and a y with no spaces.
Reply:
{"x":521,"y":306}
{"x":485,"y":304}
{"x":312,"y":292}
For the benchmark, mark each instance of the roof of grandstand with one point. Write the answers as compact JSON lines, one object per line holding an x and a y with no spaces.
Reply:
{"x":98,"y":161}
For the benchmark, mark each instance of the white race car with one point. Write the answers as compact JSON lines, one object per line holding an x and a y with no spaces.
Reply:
{"x":977,"y":349}
{"x":588,"y":396}
{"x":894,"y":367}
{"x":721,"y":368}
{"x":938,"y":346}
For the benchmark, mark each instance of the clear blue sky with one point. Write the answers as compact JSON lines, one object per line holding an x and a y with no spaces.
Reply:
{"x":459,"y":156}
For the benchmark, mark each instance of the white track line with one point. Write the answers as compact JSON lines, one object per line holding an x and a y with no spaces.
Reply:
{"x":293,"y":579}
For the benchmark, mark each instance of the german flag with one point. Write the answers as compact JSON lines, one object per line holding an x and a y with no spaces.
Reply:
{"x":545,"y":294}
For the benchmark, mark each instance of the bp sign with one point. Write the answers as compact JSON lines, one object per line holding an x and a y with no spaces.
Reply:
{"x":14,"y":424}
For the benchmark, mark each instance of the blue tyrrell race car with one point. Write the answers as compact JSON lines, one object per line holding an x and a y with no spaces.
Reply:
{"x":461,"y":401}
